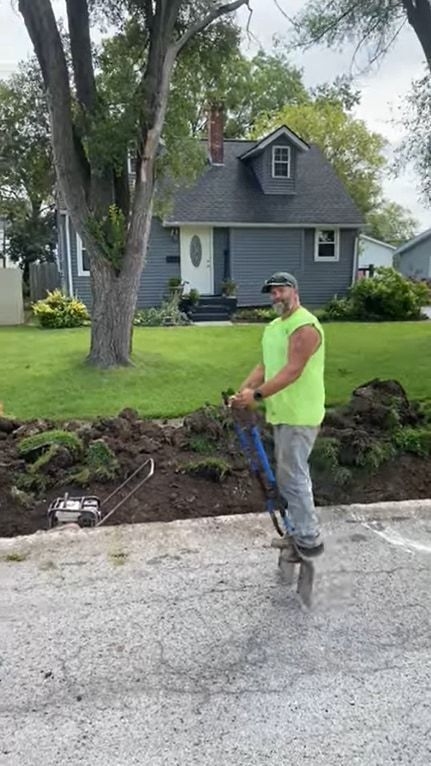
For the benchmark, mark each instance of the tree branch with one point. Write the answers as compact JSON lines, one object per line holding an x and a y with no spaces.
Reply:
{"x":286,"y":15}
{"x":211,"y":16}
{"x":331,"y":26}
{"x":80,"y":43}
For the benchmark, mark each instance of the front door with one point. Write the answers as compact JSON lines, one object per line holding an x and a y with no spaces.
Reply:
{"x":197,"y":259}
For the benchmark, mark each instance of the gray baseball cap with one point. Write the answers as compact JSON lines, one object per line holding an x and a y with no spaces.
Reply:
{"x":280,"y":279}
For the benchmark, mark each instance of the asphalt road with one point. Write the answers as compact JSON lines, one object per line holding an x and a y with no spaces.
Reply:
{"x":179,"y":644}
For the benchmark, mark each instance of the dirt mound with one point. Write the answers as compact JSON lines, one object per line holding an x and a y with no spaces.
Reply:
{"x":377,"y":411}
{"x":199,"y":467}
{"x":376,"y":407}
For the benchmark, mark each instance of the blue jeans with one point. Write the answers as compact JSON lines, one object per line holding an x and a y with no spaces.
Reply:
{"x":293,"y":447}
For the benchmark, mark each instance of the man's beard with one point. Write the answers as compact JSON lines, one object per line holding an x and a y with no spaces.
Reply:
{"x":282,"y":307}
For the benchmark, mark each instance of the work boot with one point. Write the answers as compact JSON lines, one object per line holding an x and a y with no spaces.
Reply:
{"x":309,"y":551}
{"x":287,"y":548}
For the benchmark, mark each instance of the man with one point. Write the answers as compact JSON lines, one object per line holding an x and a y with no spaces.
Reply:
{"x":291,"y":382}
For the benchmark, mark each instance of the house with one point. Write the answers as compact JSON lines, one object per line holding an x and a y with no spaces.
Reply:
{"x":414,"y":258}
{"x":373,"y":253}
{"x":258,"y":207}
{"x":5,"y":261}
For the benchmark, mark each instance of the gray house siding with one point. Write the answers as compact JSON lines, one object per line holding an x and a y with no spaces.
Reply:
{"x":163,"y":262}
{"x":221,"y":257}
{"x":262,"y":166}
{"x":321,"y":281}
{"x":417,"y":261}
{"x":257,"y":253}
{"x":81,"y":285}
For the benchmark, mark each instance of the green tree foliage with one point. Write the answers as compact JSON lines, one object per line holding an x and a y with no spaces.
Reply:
{"x":392,"y":223}
{"x":26,"y":168}
{"x":416,"y":120}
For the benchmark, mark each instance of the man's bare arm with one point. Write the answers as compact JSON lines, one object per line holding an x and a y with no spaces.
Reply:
{"x":255,"y":379}
{"x":302,"y":345}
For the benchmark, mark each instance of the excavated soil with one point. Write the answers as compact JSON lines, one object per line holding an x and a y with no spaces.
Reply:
{"x":175,"y":493}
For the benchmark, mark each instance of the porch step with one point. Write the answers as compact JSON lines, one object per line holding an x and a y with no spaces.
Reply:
{"x":216,"y":300}
{"x":213,"y":309}
{"x":210,"y":317}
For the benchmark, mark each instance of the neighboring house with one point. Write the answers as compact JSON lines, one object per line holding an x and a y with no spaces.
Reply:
{"x":259,"y":207}
{"x":5,"y":261}
{"x":414,"y":258}
{"x":373,"y":254}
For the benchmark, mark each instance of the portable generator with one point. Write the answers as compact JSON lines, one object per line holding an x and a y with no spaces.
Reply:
{"x":85,"y":511}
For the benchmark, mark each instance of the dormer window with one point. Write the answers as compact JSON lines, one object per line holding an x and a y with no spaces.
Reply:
{"x":281,"y":161}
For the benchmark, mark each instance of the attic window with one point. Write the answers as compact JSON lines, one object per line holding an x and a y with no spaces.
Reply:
{"x":327,"y":245}
{"x":281,"y":161}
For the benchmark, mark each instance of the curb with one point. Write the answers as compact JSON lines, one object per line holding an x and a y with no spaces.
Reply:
{"x":398,"y":511}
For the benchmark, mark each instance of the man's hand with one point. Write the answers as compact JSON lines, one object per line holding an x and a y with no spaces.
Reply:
{"x":244,"y":399}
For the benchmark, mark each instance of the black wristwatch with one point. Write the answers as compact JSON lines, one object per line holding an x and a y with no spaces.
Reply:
{"x":257,"y":396}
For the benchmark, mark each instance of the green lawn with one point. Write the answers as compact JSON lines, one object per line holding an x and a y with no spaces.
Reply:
{"x":177,"y":370}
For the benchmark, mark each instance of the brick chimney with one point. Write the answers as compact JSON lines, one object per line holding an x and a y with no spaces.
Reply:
{"x":216,"y":134}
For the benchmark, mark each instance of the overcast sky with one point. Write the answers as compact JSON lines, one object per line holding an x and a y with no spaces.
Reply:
{"x":382,"y":90}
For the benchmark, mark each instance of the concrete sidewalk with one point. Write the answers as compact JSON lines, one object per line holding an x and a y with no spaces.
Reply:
{"x":177,"y":644}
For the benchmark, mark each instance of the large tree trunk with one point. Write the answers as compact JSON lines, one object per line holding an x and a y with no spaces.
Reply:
{"x":419,"y":17}
{"x":114,"y":301}
{"x":115,"y":296}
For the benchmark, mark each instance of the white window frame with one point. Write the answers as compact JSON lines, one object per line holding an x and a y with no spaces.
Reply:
{"x":287,"y":162}
{"x":79,"y":258}
{"x":323,"y":259}
{"x":131,"y":159}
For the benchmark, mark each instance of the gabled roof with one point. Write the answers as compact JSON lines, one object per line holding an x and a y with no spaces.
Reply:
{"x":415,"y":241}
{"x":283,"y":132}
{"x":231,"y":194}
{"x":378,"y":242}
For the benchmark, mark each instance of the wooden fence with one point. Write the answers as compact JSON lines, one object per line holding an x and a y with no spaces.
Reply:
{"x":44,"y":277}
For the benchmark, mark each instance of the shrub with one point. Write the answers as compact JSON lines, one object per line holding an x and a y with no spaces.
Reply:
{"x":414,"y":440}
{"x":378,"y":454}
{"x":325,"y":454}
{"x":229,"y":287}
{"x":388,"y":296}
{"x":168,"y":314}
{"x":424,"y":410}
{"x":193,"y":296}
{"x":188,"y":301}
{"x":59,"y":311}
{"x":254,"y":315}
{"x":325,"y":460}
{"x":175,"y":287}
{"x":338,"y":310}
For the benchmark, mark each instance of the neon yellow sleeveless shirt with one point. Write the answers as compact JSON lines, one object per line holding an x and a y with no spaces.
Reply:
{"x":303,"y":402}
